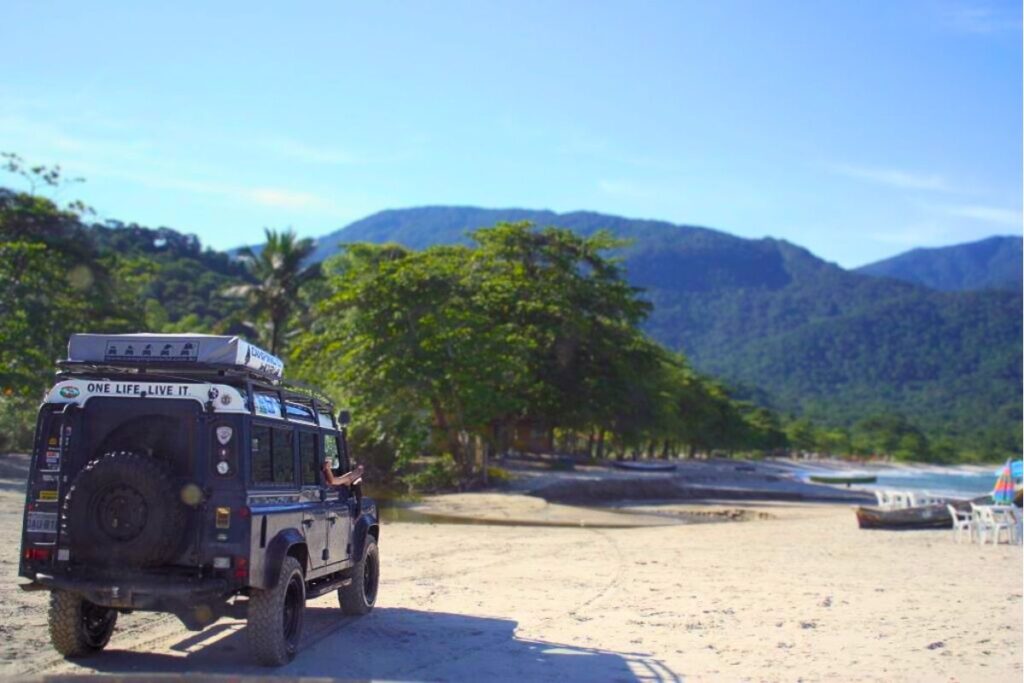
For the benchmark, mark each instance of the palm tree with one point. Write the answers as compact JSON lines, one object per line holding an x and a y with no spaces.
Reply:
{"x":279,"y":274}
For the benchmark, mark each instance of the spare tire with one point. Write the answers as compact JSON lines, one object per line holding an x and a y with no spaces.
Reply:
{"x":123,"y":509}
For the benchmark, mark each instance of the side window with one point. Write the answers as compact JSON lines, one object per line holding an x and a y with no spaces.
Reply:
{"x":267,"y":404}
{"x":333,"y":455}
{"x":307,"y":459}
{"x":284,"y":456}
{"x":262,"y":467}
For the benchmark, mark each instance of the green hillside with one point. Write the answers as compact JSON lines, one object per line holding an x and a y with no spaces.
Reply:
{"x":794,"y":331}
{"x":779,"y":325}
{"x":992,"y":263}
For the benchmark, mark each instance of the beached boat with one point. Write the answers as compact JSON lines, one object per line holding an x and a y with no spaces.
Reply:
{"x":921,"y":517}
{"x":924,"y":517}
{"x":645,"y":465}
{"x":843,"y":479}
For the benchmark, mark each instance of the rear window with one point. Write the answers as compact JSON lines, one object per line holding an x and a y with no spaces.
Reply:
{"x":284,"y":456}
{"x":273,"y":456}
{"x":308,"y":459}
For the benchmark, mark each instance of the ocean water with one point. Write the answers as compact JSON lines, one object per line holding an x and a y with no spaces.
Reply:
{"x":966,"y":483}
{"x":962,"y":482}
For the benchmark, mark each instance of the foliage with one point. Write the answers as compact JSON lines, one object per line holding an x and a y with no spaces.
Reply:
{"x":446,"y":350}
{"x":797,"y":334}
{"x":440,"y":473}
{"x":17,"y":423}
{"x":499,"y":475}
{"x":53,"y":281}
{"x":278,"y":274}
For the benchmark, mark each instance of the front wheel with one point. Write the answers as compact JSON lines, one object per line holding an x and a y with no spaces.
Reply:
{"x":275,"y":617}
{"x":358,"y":597}
{"x":77,"y":627}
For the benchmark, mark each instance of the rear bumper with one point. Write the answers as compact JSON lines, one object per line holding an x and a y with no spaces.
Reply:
{"x":150,"y":593}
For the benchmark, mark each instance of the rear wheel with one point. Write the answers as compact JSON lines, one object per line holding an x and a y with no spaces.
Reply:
{"x":275,"y":617}
{"x":359,"y":597}
{"x":77,"y":627}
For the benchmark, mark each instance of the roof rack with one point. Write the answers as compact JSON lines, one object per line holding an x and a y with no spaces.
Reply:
{"x":180,"y":351}
{"x":192,"y":371}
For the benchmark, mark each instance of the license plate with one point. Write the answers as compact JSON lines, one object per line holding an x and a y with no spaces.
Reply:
{"x":41,"y":522}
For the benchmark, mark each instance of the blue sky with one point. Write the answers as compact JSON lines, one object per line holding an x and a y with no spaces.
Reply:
{"x":856,"y":129}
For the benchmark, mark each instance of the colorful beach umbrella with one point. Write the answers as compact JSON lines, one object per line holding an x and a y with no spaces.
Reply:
{"x":1002,"y":494}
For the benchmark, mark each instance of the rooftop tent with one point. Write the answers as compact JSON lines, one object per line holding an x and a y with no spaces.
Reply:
{"x":174,"y":349}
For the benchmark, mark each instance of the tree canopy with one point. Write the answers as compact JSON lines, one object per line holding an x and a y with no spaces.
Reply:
{"x":452,"y":348}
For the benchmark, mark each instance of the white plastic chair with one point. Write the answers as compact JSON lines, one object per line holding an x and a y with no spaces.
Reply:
{"x":884,"y":500}
{"x":994,"y":519}
{"x":982,"y":522}
{"x":1004,"y":517}
{"x":962,"y":521}
{"x":899,"y":500}
{"x":925,"y":498}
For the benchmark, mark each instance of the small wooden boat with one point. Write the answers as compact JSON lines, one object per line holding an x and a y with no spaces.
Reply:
{"x":922,"y":517}
{"x":843,"y":479}
{"x":645,"y":465}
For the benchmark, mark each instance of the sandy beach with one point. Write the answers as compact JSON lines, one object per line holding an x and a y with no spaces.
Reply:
{"x":793,"y":591}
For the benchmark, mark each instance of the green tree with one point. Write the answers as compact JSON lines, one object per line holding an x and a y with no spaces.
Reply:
{"x":405,"y":333}
{"x":279,"y":274}
{"x":802,"y":434}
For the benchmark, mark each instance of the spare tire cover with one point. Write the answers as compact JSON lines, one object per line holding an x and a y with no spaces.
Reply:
{"x":123,"y":509}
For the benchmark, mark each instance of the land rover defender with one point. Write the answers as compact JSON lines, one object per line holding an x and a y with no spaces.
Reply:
{"x":178,"y":473}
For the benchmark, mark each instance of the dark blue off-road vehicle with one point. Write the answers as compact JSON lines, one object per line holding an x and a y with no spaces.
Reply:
{"x":190,"y":481}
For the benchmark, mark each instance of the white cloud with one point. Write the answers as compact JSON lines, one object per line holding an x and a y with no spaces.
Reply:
{"x":625,"y":189}
{"x":986,"y":214}
{"x":982,"y":17}
{"x":138,"y":161}
{"x":891,"y":177}
{"x":272,"y":197}
{"x":915,"y":235}
{"x":306,"y":153}
{"x":287,"y":199}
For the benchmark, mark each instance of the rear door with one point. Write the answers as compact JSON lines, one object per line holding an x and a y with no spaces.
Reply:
{"x":50,"y":455}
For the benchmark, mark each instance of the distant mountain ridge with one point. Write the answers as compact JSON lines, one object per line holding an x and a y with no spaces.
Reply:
{"x":992,"y":263}
{"x":797,"y":332}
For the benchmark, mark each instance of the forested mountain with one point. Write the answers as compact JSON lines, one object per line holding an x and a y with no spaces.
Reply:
{"x":991,"y":263}
{"x":788,"y":328}
{"x":775,"y":323}
{"x":175,"y":271}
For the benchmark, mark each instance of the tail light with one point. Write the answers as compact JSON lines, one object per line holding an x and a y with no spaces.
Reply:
{"x":241,"y":568}
{"x":36,"y":554}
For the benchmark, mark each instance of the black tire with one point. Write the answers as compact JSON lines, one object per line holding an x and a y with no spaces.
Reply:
{"x":275,"y":617}
{"x":78,"y":628}
{"x":359,"y":597}
{"x":124,"y":509}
